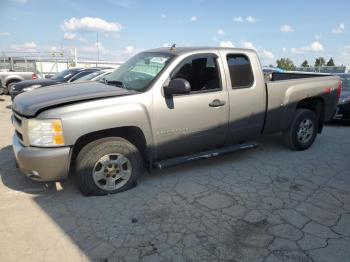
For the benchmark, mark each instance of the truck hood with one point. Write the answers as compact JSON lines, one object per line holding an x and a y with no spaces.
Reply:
{"x":42,"y":82}
{"x":30,"y":103}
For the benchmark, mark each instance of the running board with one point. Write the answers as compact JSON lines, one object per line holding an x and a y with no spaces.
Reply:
{"x":203,"y":155}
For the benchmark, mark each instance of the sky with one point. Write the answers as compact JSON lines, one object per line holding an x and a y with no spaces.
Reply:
{"x":291,"y":29}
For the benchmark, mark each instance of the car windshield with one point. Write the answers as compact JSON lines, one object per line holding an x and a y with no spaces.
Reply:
{"x":89,"y":76}
{"x":139,"y":72}
{"x":62,"y":76}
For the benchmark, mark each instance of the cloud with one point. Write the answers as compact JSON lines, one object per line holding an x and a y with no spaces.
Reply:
{"x":93,"y":48}
{"x":313,"y":47}
{"x":69,"y":36}
{"x":14,"y":47}
{"x":221,"y":32}
{"x":251,"y":19}
{"x":129,"y":50}
{"x":316,"y":46}
{"x":21,"y":1}
{"x":90,"y":24}
{"x":30,"y":45}
{"x":267,"y":54}
{"x":238,"y":19}
{"x":248,"y":45}
{"x":339,"y":29}
{"x":4,"y":34}
{"x":194,"y":18}
{"x":284,"y":49}
{"x":286,"y":29}
{"x":226,"y":44}
{"x":166,"y":45}
{"x":26,"y":47}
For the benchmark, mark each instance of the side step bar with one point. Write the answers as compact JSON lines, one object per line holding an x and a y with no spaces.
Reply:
{"x":203,"y":155}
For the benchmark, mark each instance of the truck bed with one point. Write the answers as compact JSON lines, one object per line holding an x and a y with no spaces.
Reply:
{"x":285,"y":92}
{"x":278,"y":76}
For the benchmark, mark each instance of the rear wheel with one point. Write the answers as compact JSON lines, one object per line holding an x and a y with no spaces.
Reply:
{"x":108,"y":166}
{"x":303,"y":130}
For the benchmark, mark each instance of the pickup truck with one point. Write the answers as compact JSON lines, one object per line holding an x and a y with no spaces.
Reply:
{"x":164,"y":107}
{"x":9,"y":79}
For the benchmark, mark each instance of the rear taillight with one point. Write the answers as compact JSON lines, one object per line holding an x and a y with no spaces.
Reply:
{"x":34,"y":76}
{"x":339,"y":90}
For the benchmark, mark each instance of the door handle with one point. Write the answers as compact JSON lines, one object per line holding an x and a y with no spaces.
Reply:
{"x":217,"y":103}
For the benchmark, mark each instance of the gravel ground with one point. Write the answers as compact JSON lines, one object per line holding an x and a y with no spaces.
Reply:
{"x":266,"y":204}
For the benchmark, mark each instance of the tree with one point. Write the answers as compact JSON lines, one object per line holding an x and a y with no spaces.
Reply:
{"x":320,"y":62}
{"x":285,"y":64}
{"x":305,"y":64}
{"x":330,"y":62}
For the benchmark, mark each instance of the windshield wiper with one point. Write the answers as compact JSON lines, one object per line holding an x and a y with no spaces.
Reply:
{"x":115,"y":83}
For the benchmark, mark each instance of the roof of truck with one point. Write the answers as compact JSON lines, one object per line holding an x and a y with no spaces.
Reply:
{"x":183,"y":50}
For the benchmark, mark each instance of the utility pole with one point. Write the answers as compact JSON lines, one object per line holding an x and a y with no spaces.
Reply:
{"x":75,"y":57}
{"x":98,"y":49}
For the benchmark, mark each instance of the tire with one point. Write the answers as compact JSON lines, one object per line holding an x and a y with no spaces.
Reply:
{"x":9,"y":87}
{"x":299,"y":136}
{"x":107,"y":166}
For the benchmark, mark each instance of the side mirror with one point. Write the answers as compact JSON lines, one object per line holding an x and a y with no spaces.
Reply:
{"x":177,"y":86}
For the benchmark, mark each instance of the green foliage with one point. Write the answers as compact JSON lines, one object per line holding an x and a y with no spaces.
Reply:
{"x":285,"y":64}
{"x":330,"y":62}
{"x":305,"y":64}
{"x":320,"y":62}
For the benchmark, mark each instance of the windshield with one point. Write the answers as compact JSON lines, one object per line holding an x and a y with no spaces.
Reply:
{"x":138,"y":72}
{"x":89,"y":76}
{"x":62,"y":76}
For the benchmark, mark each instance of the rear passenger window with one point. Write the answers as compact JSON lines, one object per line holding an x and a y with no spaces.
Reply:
{"x":241,"y":72}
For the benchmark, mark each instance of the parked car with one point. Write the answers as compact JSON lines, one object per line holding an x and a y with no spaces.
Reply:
{"x":65,"y":76}
{"x":164,"y":107}
{"x":9,"y":79}
{"x":1,"y":88}
{"x":343,"y":108}
{"x":95,"y":76}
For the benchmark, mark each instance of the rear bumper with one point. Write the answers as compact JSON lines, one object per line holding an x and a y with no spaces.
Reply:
{"x":42,"y":164}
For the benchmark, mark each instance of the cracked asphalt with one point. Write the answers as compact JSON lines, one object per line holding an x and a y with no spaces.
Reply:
{"x":266,"y":204}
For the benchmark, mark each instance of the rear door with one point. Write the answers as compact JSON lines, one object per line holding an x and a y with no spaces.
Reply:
{"x":196,"y":121}
{"x":247,"y":95}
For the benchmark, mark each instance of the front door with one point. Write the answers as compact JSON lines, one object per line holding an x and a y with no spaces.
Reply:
{"x":189,"y":123}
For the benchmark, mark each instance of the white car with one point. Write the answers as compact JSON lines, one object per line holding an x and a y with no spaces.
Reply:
{"x":95,"y":76}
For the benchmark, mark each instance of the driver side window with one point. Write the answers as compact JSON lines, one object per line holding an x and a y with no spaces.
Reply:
{"x":201,"y":72}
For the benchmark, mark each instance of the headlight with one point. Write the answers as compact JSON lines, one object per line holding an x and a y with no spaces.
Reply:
{"x":45,"y":133}
{"x":30,"y":88}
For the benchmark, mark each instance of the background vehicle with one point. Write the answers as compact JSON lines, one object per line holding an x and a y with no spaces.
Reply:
{"x":164,"y":107}
{"x":9,"y":79}
{"x":95,"y":76}
{"x":343,"y":108}
{"x":65,"y":76}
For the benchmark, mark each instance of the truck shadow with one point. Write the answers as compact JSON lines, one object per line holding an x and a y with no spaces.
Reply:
{"x":93,"y":224}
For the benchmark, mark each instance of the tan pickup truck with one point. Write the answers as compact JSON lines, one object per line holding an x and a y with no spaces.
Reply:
{"x":164,"y":107}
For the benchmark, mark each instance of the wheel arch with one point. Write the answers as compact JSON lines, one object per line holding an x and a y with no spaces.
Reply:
{"x":133,"y":134}
{"x":317,"y":105}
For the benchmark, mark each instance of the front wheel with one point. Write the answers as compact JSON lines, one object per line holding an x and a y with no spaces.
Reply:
{"x":108,"y":166}
{"x":302,"y":131}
